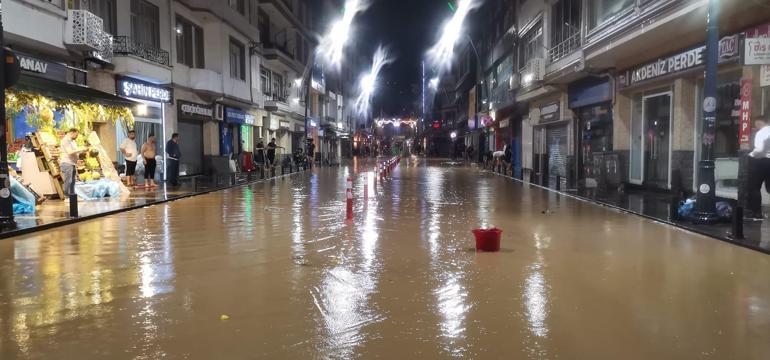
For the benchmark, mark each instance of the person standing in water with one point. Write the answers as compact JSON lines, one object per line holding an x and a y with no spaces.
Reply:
{"x":148,"y":154}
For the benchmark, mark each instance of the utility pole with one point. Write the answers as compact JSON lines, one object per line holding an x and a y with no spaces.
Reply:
{"x":6,"y":202}
{"x":705,"y":206}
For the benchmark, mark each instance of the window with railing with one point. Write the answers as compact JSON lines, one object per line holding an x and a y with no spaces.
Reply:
{"x":602,"y":11}
{"x":531,"y":44}
{"x":565,"y":28}
{"x":126,"y":45}
{"x":264,"y":77}
{"x":145,"y":23}
{"x":105,"y":9}
{"x":279,"y":93}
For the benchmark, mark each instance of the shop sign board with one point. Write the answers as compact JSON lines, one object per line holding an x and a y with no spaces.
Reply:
{"x":764,"y":76}
{"x":138,"y":89}
{"x":250,"y":120}
{"x":549,"y":112}
{"x":235,"y":116}
{"x":41,"y":68}
{"x":274,"y":123}
{"x":284,"y":125}
{"x":195,"y":111}
{"x":505,"y":123}
{"x":684,"y":61}
{"x":744,"y":133}
{"x":756,"y":51}
{"x":299,"y":128}
{"x":486,"y":121}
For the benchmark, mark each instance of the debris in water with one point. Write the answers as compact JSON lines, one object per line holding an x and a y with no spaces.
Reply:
{"x":224,"y":317}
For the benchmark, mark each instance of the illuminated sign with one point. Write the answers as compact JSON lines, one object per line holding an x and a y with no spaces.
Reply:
{"x":138,"y":89}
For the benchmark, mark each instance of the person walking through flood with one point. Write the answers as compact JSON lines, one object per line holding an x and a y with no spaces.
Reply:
{"x":759,"y":170}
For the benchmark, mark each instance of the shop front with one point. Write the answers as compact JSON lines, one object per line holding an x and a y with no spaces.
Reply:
{"x":49,"y":99}
{"x":191,"y":119}
{"x":150,"y":116}
{"x":230,"y":134}
{"x":590,"y":102}
{"x":662,"y":101}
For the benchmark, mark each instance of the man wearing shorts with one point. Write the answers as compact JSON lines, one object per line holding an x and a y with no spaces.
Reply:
{"x":130,"y":152}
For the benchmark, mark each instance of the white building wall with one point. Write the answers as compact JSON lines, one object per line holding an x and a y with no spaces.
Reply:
{"x":35,"y":24}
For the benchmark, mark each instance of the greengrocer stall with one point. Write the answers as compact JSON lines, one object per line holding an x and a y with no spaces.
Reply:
{"x":36,"y":124}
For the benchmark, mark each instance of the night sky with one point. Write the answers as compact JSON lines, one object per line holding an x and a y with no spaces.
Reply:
{"x":408,"y":28}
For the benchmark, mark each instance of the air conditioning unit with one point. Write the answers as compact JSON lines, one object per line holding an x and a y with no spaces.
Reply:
{"x":536,"y":67}
{"x":219,"y":112}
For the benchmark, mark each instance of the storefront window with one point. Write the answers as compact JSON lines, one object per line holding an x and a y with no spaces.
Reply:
{"x":601,"y":11}
{"x":728,"y":92}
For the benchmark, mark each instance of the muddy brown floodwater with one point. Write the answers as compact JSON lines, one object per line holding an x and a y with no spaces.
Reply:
{"x":272,"y":271}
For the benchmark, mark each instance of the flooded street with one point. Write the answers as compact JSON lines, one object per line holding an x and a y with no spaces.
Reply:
{"x":272,"y":271}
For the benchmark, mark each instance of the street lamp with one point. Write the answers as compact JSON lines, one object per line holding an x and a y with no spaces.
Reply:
{"x":331,"y":48}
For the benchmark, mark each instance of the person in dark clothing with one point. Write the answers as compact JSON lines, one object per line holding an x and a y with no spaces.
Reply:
{"x":271,"y":146}
{"x":259,"y":153}
{"x":759,"y":170}
{"x":310,"y":152}
{"x":469,"y":154}
{"x":173,"y":155}
{"x":507,"y":158}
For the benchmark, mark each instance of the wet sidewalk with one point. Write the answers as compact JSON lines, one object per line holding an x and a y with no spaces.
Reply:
{"x":272,"y":270}
{"x":56,"y":212}
{"x":657,"y":206}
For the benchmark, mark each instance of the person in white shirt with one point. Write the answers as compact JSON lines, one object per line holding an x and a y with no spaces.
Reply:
{"x":759,"y":169}
{"x":130,"y":151}
{"x":68,"y":160}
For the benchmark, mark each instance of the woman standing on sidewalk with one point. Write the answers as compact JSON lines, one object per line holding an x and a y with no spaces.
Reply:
{"x":148,"y":153}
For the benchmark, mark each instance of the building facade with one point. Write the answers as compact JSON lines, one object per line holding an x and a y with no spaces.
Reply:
{"x":610,"y":92}
{"x":222,"y":74}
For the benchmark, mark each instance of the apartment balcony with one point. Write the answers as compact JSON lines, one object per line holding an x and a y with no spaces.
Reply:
{"x":205,"y":80}
{"x":279,"y":57}
{"x":565,"y":60}
{"x":139,"y":60}
{"x":276,"y":103}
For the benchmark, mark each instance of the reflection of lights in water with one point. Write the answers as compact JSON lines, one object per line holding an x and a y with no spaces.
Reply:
{"x":434,"y":192}
{"x":453,"y":308}
{"x":484,"y":203}
{"x":536,"y":298}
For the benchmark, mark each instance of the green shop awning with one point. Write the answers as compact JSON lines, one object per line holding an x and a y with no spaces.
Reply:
{"x":60,"y":90}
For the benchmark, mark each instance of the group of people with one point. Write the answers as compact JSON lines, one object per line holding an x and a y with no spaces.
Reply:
{"x":147,"y":154}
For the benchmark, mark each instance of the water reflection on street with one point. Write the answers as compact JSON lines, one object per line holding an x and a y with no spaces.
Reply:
{"x":273,"y":270}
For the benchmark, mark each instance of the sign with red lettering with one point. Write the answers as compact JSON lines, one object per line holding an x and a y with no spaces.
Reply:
{"x":757,"y":51}
{"x":744,"y":133}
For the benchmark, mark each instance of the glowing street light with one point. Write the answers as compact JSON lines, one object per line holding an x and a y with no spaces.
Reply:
{"x":332,"y":45}
{"x":440,"y":55}
{"x":433,"y":84}
{"x":368,"y":82}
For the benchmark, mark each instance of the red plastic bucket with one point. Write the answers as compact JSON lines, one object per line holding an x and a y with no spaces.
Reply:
{"x":488,"y":239}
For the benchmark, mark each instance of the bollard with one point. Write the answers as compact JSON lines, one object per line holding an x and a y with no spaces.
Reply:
{"x":737,"y":226}
{"x":349,"y":196}
{"x":195,"y":183}
{"x":73,"y":204}
{"x":673,"y":209}
{"x":558,"y":182}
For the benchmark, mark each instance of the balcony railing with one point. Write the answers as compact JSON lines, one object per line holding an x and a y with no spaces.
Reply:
{"x":124,"y":45}
{"x":564,"y":48}
{"x":275,"y":98}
